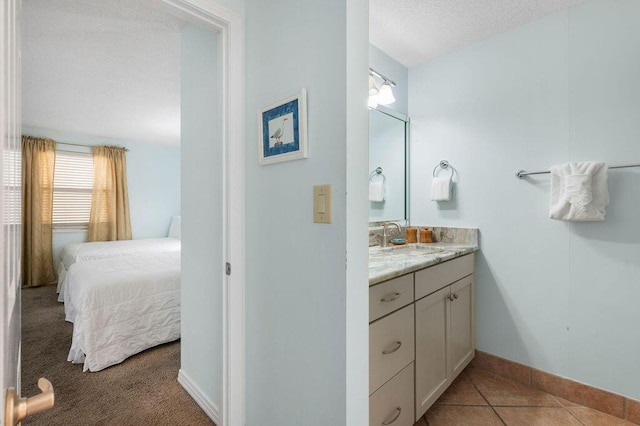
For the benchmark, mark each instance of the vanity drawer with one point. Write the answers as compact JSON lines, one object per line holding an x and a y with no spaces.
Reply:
{"x":392,"y":404}
{"x":391,"y":346}
{"x":388,"y":296}
{"x":434,"y":278}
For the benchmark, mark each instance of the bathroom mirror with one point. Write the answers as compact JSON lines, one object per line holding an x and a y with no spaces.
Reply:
{"x":388,"y":150}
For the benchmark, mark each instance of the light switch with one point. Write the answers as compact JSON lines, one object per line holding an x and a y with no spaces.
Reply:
{"x":322,"y":204}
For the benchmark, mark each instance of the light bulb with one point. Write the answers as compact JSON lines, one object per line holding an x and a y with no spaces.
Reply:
{"x":373,"y":101}
{"x":385,"y":95}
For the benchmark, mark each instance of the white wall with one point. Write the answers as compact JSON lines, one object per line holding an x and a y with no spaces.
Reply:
{"x":202,"y":255}
{"x":390,"y":68}
{"x":297,"y":317}
{"x":153,"y":177}
{"x":561,"y":297}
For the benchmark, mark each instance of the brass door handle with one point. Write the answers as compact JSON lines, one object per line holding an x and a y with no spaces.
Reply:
{"x":17,"y":408}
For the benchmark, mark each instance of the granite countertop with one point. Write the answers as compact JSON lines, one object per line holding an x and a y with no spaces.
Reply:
{"x":391,"y":262}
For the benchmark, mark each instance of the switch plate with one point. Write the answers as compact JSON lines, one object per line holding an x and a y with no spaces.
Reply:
{"x":322,"y":204}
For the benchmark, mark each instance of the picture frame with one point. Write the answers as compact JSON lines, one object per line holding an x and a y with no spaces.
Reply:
{"x":282,"y":130}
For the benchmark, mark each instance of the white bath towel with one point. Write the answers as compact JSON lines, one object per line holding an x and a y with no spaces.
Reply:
{"x":579,"y":191}
{"x":377,"y":191}
{"x":441,"y":189}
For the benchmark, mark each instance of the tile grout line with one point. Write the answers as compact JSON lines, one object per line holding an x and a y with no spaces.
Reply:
{"x":487,"y":401}
{"x":567,"y":409}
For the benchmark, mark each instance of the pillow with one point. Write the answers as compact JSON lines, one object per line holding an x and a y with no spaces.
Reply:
{"x":174,"y":228}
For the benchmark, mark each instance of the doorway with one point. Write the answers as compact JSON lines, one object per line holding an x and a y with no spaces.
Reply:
{"x":229,"y":29}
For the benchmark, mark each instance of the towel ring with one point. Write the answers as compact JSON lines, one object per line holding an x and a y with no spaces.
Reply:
{"x":377,"y":172}
{"x":443,"y":164}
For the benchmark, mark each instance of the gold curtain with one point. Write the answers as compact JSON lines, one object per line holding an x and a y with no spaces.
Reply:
{"x":38,"y":163}
{"x":109,"y":218}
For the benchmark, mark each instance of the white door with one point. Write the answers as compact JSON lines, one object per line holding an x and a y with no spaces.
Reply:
{"x":9,"y":217}
{"x":15,"y":408}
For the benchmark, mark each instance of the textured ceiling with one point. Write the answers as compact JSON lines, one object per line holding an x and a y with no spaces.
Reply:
{"x":414,"y":31}
{"x":107,"y":68}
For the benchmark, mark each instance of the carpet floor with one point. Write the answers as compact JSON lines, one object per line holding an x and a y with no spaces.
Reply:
{"x":143,"y":390}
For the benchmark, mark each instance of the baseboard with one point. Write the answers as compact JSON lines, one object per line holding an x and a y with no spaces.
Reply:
{"x":580,"y":393}
{"x":198,"y":396}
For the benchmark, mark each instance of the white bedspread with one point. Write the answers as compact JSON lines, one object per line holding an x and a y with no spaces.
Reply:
{"x":122,"y":306}
{"x":83,"y":252}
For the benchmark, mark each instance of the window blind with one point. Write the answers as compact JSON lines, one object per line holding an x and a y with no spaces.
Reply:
{"x":72,"y":188}
{"x":12,"y":180}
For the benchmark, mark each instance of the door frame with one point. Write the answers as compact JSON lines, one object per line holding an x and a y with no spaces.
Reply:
{"x":10,"y":240}
{"x":229,"y":26}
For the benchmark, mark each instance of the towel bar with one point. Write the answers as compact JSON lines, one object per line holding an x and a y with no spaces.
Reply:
{"x":377,"y":172}
{"x":443,"y":164}
{"x":521,"y":174}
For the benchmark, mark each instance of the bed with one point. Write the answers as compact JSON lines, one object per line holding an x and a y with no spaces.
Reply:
{"x":122,"y":305}
{"x":86,"y":252}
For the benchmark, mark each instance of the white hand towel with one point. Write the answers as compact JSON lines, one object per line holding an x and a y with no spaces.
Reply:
{"x":579,"y":191}
{"x":376,"y":191}
{"x":441,"y":189}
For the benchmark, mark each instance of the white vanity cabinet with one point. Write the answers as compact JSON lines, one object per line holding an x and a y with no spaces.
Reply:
{"x":439,"y":323}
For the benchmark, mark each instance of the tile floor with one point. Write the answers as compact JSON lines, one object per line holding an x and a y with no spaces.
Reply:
{"x":480,"y":398}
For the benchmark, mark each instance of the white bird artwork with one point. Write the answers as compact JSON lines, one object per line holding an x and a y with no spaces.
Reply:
{"x":278,"y":133}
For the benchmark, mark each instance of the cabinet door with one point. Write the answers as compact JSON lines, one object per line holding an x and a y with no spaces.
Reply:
{"x":432,"y":376}
{"x":462,"y":320}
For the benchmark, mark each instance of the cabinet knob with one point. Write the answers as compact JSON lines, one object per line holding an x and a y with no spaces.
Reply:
{"x":390,"y":297}
{"x":449,"y":298}
{"x":455,"y":296}
{"x":395,"y":348}
{"x":393,"y":417}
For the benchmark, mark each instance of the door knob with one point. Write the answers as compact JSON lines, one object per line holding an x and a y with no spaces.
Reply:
{"x":17,"y":408}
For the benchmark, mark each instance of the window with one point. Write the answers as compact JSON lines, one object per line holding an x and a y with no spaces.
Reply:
{"x":12,"y":194}
{"x":72,"y":188}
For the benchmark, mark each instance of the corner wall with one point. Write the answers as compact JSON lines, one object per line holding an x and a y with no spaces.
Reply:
{"x":561,"y":297}
{"x":202,"y":245}
{"x":297,"y":318}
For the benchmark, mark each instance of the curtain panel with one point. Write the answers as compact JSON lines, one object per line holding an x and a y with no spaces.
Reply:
{"x":38,"y":163}
{"x":109,"y":219}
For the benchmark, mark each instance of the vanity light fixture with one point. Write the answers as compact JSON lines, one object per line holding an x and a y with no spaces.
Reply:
{"x":382,"y":95}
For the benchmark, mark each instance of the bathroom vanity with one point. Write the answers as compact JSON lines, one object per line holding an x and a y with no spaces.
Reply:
{"x":421,"y":326}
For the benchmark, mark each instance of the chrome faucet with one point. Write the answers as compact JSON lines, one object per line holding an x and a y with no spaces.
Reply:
{"x":384,"y":241}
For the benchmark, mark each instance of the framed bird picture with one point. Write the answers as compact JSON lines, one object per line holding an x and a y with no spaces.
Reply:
{"x":282,"y":130}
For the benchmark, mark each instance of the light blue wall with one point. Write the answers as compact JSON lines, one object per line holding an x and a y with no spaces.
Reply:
{"x":390,"y":68}
{"x":296,"y":288}
{"x":558,"y":296}
{"x":153,"y":177}
{"x":202,"y":256}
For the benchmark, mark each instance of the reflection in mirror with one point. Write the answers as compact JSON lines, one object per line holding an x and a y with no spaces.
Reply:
{"x":388,"y":142}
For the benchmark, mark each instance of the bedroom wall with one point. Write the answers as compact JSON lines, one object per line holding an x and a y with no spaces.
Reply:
{"x":306,"y":283}
{"x":202,"y":255}
{"x":558,"y":296}
{"x":153,"y":177}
